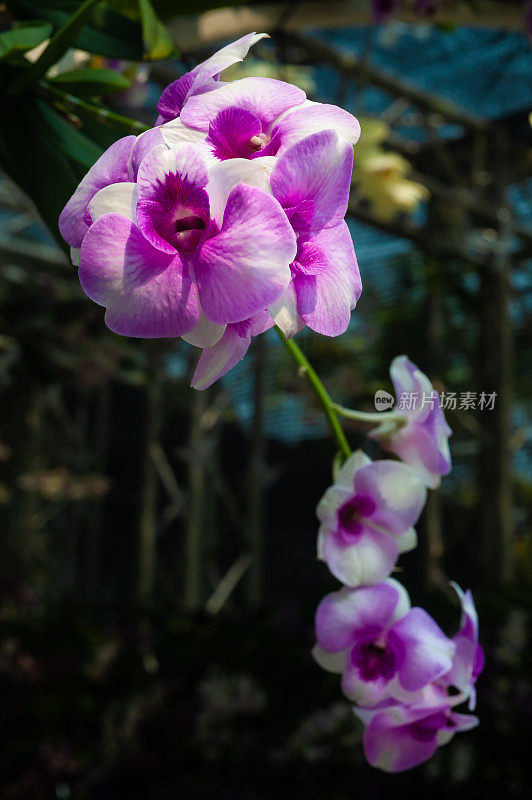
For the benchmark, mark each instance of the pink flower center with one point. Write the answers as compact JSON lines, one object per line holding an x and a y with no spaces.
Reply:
{"x":374,"y":660}
{"x":188,"y":229}
{"x":350,"y":516}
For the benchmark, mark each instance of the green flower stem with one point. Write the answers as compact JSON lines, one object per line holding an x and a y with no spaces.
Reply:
{"x":308,"y":372}
{"x":365,"y":416}
{"x":90,"y":110}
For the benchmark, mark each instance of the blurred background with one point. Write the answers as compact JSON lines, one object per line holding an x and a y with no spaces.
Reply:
{"x":158,"y":576}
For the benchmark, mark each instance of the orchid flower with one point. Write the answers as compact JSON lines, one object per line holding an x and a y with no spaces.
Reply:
{"x":367,"y":517}
{"x":177,"y":233}
{"x":248,"y":118}
{"x":204,"y":77}
{"x":421,"y":442}
{"x":382,"y":647}
{"x":398,"y":737}
{"x":468,"y":661}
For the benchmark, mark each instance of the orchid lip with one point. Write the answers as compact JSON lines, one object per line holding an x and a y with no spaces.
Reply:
{"x":374,"y":659}
{"x":188,"y":231}
{"x":352,"y":513}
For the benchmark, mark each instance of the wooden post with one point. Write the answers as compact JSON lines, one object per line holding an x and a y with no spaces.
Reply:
{"x":195,"y":519}
{"x":495,"y":376}
{"x":149,"y":490}
{"x":256,"y":480}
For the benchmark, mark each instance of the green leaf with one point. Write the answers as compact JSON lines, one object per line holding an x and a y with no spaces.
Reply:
{"x":31,"y":154}
{"x":91,"y":82}
{"x":157,"y":40}
{"x":70,"y":140}
{"x":106,"y":32}
{"x":64,"y":38}
{"x":24,"y":37}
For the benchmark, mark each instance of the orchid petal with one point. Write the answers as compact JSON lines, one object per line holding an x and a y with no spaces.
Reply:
{"x":119,"y":198}
{"x":234,"y":278}
{"x":266,"y":98}
{"x":317,"y":169}
{"x":299,"y":123}
{"x":146,"y":293}
{"x":112,"y":167}
{"x":284,"y":312}
{"x":218,"y":360}
{"x":327,"y":281}
{"x":427,"y":653}
{"x":342,"y":616}
{"x":398,"y":494}
{"x":225,"y":175}
{"x":370,"y":560}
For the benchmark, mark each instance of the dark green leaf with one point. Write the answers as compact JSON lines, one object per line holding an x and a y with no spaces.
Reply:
{"x":31,"y":154}
{"x":157,"y":40}
{"x":91,"y":82}
{"x":24,"y":37}
{"x":64,"y":38}
{"x":71,"y":141}
{"x":106,"y":32}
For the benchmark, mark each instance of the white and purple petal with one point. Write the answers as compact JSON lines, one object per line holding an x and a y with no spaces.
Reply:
{"x":396,"y":492}
{"x":316,"y":170}
{"x":234,"y":278}
{"x":173,"y":204}
{"x":146,"y":293}
{"x":217,"y":360}
{"x":426,"y":653}
{"x":265,"y":98}
{"x":299,"y":123}
{"x":345,"y":615}
{"x":112,"y":167}
{"x":327,"y":280}
{"x":370,"y":559}
{"x":468,"y":661}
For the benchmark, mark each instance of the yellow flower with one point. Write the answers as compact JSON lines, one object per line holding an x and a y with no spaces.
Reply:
{"x":381,"y":179}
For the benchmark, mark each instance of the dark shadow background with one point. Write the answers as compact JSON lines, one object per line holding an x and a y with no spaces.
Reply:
{"x":128,"y":501}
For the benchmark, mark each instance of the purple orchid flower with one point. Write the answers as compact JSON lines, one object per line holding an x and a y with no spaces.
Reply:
{"x":398,"y":737}
{"x":177,"y":233}
{"x":382,"y":647}
{"x":426,"y":8}
{"x":367,"y":517}
{"x":421,"y":442}
{"x":382,"y":9}
{"x":237,"y":132}
{"x":468,"y":661}
{"x":204,"y":77}
{"x":311,"y":180}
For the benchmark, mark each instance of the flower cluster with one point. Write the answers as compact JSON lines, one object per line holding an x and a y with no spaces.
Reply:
{"x":223,"y":219}
{"x":404,"y":674}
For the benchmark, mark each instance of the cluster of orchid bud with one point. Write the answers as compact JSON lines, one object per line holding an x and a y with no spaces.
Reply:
{"x":225,"y":218}
{"x":405,"y":676}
